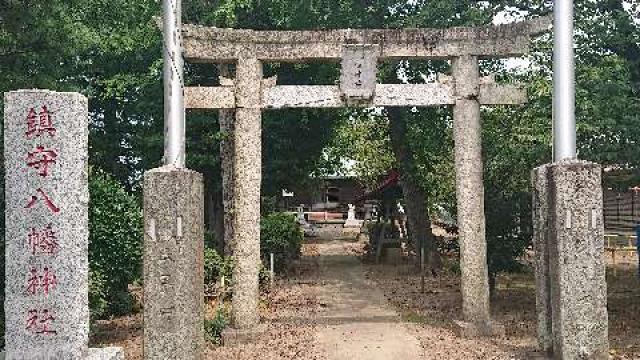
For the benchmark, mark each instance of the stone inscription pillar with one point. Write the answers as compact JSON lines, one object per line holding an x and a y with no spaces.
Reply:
{"x":47,"y":198}
{"x":570,"y":268}
{"x":173,"y":264}
{"x":247,"y":173}
{"x":470,"y":197}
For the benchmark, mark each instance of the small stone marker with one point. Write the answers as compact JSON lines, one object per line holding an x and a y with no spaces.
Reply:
{"x":173,"y":264}
{"x":358,"y":73}
{"x":571,"y":292}
{"x":47,"y":197}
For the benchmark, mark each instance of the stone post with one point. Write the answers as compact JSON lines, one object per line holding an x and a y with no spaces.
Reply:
{"x":173,"y":264}
{"x":470,"y":199}
{"x":570,"y":267}
{"x":540,"y":213}
{"x":247,"y":173}
{"x":47,"y":198}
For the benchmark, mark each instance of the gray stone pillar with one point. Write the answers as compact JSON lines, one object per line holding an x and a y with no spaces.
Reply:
{"x":540,"y":212}
{"x":47,"y":196}
{"x":173,"y":264}
{"x":247,"y":173}
{"x":226,"y":119}
{"x":470,"y":198}
{"x":570,"y":267}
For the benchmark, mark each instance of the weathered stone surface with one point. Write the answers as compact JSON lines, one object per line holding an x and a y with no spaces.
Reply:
{"x":358,"y":75}
{"x":202,"y":97}
{"x":541,"y":260}
{"x":109,"y":353}
{"x":247,"y":174}
{"x":215,"y":44}
{"x":329,"y":96}
{"x":470,"y":192}
{"x":173,"y":264}
{"x":576,"y":270}
{"x":472,"y":330}
{"x":236,"y":336}
{"x":47,"y":195}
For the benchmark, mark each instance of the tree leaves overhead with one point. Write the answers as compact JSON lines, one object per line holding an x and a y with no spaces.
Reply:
{"x":111,"y":51}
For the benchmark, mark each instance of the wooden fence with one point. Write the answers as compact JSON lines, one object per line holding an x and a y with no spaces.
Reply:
{"x":621,"y":211}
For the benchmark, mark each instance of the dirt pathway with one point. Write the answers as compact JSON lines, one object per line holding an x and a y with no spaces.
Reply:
{"x":356,"y":321}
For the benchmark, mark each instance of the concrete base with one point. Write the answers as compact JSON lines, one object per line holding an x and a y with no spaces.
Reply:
{"x":233,"y":337}
{"x":353,"y":223}
{"x":469,"y":330}
{"x":108,"y":353}
{"x":539,"y":355}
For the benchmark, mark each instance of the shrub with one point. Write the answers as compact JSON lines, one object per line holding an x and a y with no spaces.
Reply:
{"x":115,"y":243}
{"x":213,"y":327}
{"x":216,"y":266}
{"x":280,"y":234}
{"x":97,"y":297}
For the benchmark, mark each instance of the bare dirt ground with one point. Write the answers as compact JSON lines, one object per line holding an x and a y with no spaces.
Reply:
{"x":288,"y":310}
{"x":432,"y":314}
{"x":334,"y":307}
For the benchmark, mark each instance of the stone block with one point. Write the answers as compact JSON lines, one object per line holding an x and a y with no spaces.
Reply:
{"x":570,"y":239}
{"x":358,"y":74}
{"x":470,"y":330}
{"x":234,"y":336}
{"x":108,"y":353}
{"x":173,"y":264}
{"x":47,"y":197}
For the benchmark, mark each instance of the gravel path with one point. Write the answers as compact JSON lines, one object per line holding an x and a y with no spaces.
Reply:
{"x":356,"y":321}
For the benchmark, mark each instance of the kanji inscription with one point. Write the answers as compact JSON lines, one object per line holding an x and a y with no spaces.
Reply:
{"x":47,"y":195}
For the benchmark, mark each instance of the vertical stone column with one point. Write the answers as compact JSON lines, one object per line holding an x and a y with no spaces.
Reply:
{"x":173,"y":264}
{"x":540,"y":212}
{"x":470,"y":198}
{"x":247,"y":172}
{"x":226,"y":119}
{"x":570,"y":235}
{"x":47,"y":198}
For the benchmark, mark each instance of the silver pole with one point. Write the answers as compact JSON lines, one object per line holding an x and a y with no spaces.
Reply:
{"x":174,"y":113}
{"x":564,"y":92}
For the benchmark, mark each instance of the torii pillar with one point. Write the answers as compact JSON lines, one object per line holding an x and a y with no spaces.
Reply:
{"x":247,"y":177}
{"x":467,"y":132}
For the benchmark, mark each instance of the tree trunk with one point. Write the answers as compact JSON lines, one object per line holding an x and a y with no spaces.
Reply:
{"x":419,"y":222}
{"x":214,"y":217}
{"x":227,"y":153}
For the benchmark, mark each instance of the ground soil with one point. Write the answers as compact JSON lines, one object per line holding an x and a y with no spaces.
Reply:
{"x":332,"y":306}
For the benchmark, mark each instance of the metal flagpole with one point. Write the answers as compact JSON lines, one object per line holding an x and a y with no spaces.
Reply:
{"x":564,"y":102}
{"x":174,"y":112}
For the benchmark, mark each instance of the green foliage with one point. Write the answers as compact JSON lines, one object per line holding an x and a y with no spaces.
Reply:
{"x":216,"y":266}
{"x":98,"y":303}
{"x":213,"y":327}
{"x":115,"y":242}
{"x":280,"y":234}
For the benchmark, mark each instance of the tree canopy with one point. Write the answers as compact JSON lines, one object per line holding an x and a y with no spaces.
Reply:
{"x":110,"y":50}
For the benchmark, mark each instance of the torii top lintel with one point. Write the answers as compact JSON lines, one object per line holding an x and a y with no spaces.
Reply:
{"x":209,"y":44}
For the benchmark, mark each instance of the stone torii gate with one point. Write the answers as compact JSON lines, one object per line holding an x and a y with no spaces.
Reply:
{"x":359,"y":51}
